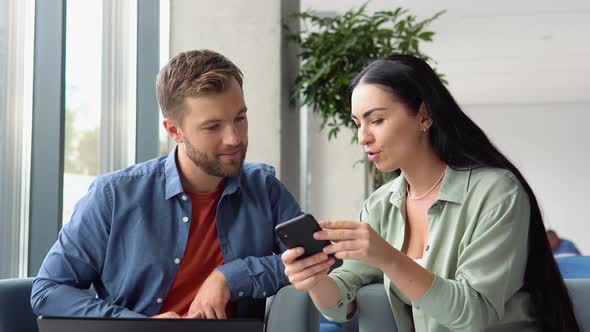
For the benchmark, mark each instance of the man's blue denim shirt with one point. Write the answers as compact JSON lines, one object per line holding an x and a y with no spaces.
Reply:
{"x":127,"y":231}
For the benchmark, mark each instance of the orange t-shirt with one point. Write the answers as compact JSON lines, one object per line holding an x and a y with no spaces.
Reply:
{"x":201,"y":255}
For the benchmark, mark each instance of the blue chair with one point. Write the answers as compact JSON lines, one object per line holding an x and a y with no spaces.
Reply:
{"x":328,"y":326}
{"x":15,"y":307}
{"x":574,"y":267}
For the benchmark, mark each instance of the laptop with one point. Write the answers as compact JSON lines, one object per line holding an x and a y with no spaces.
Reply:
{"x":79,"y":324}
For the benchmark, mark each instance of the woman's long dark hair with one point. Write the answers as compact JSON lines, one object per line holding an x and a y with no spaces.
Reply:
{"x":461,"y":144}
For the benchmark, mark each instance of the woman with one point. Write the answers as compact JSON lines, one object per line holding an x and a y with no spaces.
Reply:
{"x":458,"y":238}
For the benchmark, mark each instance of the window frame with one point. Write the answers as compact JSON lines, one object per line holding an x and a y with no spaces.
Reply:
{"x":48,"y":115}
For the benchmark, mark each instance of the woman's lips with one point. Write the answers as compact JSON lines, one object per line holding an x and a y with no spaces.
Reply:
{"x":372,"y":155}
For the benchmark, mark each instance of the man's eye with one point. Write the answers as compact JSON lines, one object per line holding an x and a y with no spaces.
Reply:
{"x":240,"y":119}
{"x":212,"y":128}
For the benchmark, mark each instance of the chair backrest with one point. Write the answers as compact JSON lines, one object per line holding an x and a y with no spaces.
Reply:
{"x":15,"y":306}
{"x":579,"y":290}
{"x":374,"y":312}
{"x":291,"y":310}
{"x":572,"y":267}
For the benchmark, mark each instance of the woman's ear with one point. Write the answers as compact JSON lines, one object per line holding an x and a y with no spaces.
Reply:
{"x":172,"y":130}
{"x":424,"y":120}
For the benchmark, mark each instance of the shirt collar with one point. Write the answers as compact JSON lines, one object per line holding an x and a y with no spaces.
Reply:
{"x":453,"y":188}
{"x":174,"y":185}
{"x":398,"y":190}
{"x":454,"y":185}
{"x":232,"y":184}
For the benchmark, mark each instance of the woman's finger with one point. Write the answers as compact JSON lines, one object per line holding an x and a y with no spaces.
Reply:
{"x":302,"y":264}
{"x":337,"y":224}
{"x":310,"y":282}
{"x":291,"y":255}
{"x":335,"y":234}
{"x":349,"y":254}
{"x":342,"y":246}
{"x":311,"y":271}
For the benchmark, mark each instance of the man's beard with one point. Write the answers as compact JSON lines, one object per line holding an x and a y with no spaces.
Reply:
{"x":214,"y":166}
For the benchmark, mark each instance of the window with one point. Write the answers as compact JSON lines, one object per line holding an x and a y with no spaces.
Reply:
{"x":83,"y":99}
{"x":16,"y":74}
{"x":100,"y":93}
{"x":166,"y":143}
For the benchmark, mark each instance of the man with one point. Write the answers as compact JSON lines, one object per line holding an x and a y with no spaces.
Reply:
{"x":188,"y":235}
{"x":561,"y":247}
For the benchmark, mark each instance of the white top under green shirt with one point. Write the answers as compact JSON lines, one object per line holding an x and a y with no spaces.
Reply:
{"x":478,"y":235}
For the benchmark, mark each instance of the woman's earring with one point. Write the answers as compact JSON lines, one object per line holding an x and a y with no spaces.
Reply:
{"x":424,"y":129}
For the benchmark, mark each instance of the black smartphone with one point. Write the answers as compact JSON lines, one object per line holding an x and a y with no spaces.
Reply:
{"x":298,"y":232}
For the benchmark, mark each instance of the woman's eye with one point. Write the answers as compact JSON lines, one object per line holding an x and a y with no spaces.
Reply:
{"x":376,"y":122}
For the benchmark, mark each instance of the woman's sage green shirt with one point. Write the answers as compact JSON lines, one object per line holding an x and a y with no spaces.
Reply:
{"x":478,"y":234}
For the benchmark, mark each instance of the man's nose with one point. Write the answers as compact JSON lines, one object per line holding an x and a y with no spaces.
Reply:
{"x":231,"y":136}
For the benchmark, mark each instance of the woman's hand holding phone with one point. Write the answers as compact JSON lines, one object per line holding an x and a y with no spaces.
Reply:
{"x":305,"y":273}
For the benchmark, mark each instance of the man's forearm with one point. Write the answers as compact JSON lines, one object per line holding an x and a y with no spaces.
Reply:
{"x":244,"y":278}
{"x":54,"y":299}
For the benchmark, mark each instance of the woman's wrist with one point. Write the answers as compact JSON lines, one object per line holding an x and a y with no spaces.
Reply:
{"x":389,"y":259}
{"x":325,"y":293}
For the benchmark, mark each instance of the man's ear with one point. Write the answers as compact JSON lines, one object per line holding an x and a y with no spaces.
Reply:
{"x":173,"y":130}
{"x":424,"y":119}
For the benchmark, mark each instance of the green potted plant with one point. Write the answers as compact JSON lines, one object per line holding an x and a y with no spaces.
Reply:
{"x":334,"y":49}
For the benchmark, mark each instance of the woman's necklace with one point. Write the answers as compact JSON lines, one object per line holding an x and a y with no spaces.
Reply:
{"x":426,"y":193}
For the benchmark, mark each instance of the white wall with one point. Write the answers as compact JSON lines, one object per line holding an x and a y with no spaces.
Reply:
{"x":249,"y":34}
{"x":520,"y":70}
{"x":549,"y":144}
{"x":336,"y":185}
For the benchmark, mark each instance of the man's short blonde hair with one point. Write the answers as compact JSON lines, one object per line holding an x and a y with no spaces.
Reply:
{"x":191,"y":74}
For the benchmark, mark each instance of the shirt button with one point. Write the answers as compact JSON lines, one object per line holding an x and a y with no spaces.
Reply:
{"x":159,"y":300}
{"x":177,"y":260}
{"x":263,"y":293}
{"x":184,"y":198}
{"x":241,"y":294}
{"x":185,"y":219}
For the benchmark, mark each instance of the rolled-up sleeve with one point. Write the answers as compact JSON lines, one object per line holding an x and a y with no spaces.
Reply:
{"x":351,"y":276}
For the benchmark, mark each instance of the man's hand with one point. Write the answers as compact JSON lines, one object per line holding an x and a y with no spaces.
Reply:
{"x":212,"y":298}
{"x":169,"y":314}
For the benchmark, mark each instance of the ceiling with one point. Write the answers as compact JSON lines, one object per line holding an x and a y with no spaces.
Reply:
{"x":502,"y":52}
